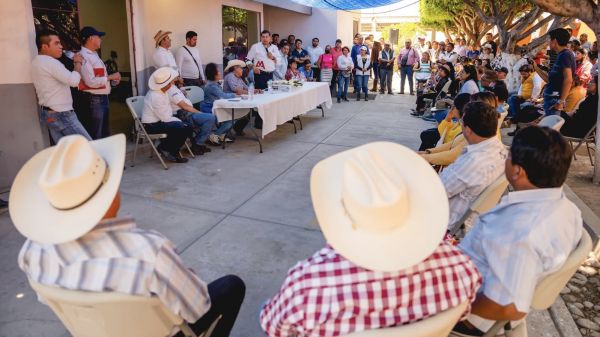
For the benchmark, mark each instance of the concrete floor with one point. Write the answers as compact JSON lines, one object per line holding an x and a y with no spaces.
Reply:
{"x":234,"y":210}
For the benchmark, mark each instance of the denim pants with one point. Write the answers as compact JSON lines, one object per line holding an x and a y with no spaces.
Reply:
{"x":549,"y":102}
{"x":203,"y":124}
{"x":177,"y":133}
{"x":514,"y":105}
{"x":63,"y":123}
{"x":375,"y":70}
{"x":406,"y":71}
{"x":342,"y":82}
{"x":385,"y":79}
{"x":226,"y":297}
{"x":99,"y":116}
{"x":362,"y":82}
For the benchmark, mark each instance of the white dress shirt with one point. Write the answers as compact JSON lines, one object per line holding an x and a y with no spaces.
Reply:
{"x":93,"y":73}
{"x":164,"y":58}
{"x":176,"y":96}
{"x":258,"y":56}
{"x":450,"y":57}
{"x":461,"y":50}
{"x":52,"y":81}
{"x":314,"y":53}
{"x":280,"y":67}
{"x":475,"y":169}
{"x":528,"y":236}
{"x":157,"y":107}
{"x":186,"y":64}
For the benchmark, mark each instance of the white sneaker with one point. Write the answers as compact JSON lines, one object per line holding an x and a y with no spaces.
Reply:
{"x":213,"y":140}
{"x":222,"y":139}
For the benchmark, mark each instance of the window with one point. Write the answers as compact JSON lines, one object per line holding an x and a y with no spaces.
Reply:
{"x":241,"y":29}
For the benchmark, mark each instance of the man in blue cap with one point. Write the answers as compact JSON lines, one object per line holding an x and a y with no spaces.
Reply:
{"x":96,"y":82}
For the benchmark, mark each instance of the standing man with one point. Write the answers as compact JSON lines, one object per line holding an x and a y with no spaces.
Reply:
{"x":336,"y":52}
{"x":421,"y":47}
{"x":262,"y":57}
{"x":314,"y":52}
{"x":189,"y":62}
{"x":489,"y":39}
{"x":163,"y":57}
{"x":299,"y":54}
{"x":52,"y":81}
{"x":276,"y":39}
{"x":386,"y":68}
{"x":406,"y":60}
{"x":560,"y":77}
{"x":95,"y":82}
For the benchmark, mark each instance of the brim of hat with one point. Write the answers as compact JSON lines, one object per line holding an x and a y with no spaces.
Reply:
{"x":36,"y":219}
{"x":230,"y":65}
{"x":155,"y":86}
{"x":412,"y":242}
{"x":162,"y":36}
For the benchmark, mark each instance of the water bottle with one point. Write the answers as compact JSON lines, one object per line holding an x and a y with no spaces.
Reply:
{"x":251,"y":91}
{"x":270,"y":86}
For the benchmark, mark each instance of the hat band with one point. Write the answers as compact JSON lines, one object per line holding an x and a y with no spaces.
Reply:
{"x":163,"y":82}
{"x":102,"y":182}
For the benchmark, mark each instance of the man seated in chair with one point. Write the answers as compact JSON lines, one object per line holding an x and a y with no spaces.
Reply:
{"x":77,"y":241}
{"x":481,"y":162}
{"x":157,"y":115}
{"x":385,"y":263}
{"x":584,"y":119}
{"x":528,"y":236}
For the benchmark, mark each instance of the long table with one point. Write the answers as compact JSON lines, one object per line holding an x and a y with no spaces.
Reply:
{"x":276,"y":108}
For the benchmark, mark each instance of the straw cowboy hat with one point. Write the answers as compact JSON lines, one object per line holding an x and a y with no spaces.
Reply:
{"x":62,"y":192}
{"x":234,"y":63}
{"x":374,"y":205}
{"x":162,"y":77}
{"x":160,"y":35}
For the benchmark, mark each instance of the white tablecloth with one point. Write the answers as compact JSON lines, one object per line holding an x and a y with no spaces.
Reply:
{"x":278,"y":107}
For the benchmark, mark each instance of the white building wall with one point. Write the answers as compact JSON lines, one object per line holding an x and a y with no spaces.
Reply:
{"x":344,"y":26}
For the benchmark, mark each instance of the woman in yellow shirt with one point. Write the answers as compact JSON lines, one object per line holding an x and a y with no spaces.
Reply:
{"x":448,"y":128}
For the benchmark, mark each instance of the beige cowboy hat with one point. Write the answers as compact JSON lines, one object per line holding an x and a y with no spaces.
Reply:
{"x":160,"y":35}
{"x":63,"y":191}
{"x":234,"y":63}
{"x":161,"y":77}
{"x":380,"y":205}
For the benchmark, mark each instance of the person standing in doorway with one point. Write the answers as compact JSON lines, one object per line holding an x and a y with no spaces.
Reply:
{"x":189,"y":62}
{"x":96,"y":82}
{"x":406,"y":60}
{"x":52,"y":81}
{"x":314,"y":52}
{"x":386,"y":68}
{"x":262,"y":57}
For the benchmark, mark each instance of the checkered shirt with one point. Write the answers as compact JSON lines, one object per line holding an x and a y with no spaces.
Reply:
{"x":327,"y":295}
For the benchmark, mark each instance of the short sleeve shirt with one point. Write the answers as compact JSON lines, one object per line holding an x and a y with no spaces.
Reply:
{"x":564,"y":59}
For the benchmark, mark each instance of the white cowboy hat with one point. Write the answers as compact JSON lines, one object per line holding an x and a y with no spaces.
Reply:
{"x":63,"y":191}
{"x":364,"y":48}
{"x":380,"y":205}
{"x":487,"y":46}
{"x":161,"y":77}
{"x":234,"y":63}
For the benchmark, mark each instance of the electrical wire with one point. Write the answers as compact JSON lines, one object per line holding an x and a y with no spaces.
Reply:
{"x":384,"y":12}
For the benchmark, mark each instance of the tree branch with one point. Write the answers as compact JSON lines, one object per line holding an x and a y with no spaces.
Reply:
{"x":479,"y":12}
{"x":537,"y":26}
{"x":585,"y":10}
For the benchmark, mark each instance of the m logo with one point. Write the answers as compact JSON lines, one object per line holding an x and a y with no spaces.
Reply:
{"x":260,"y":64}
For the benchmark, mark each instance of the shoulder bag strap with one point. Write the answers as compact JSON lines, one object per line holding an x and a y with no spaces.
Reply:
{"x":197,"y":66}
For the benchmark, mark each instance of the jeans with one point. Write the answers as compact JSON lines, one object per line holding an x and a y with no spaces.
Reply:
{"x":421,"y":100}
{"x":385,"y":79}
{"x":406,"y":71}
{"x":514,"y":105}
{"x":204,"y":123}
{"x":362,"y":82}
{"x":375,"y":70}
{"x":549,"y":102}
{"x":63,"y":123}
{"x":226,"y":297}
{"x":177,"y":133}
{"x":342,"y":83}
{"x":99,"y":114}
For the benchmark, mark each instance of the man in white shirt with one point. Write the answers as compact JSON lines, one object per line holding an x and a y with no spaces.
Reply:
{"x":96,"y":82}
{"x":282,"y":63}
{"x":157,"y":115}
{"x":314,"y":52}
{"x":189,"y":62}
{"x":421,"y":47}
{"x":163,"y":57}
{"x":480,"y":164}
{"x":528,"y":236}
{"x":52,"y":81}
{"x":262,"y":58}
{"x":462,"y":48}
{"x":449,"y":55}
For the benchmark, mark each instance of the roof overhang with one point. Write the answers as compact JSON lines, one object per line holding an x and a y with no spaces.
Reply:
{"x":289,"y":5}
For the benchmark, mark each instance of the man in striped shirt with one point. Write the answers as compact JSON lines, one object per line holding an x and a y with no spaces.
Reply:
{"x":113,"y":255}
{"x":481,"y":162}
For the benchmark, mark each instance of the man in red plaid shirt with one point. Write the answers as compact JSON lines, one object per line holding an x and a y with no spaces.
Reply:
{"x":385,"y":263}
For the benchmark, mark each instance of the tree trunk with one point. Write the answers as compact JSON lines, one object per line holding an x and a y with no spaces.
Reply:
{"x":513,"y":77}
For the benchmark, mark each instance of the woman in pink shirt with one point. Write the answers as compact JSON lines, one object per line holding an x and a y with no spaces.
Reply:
{"x":325,"y":63}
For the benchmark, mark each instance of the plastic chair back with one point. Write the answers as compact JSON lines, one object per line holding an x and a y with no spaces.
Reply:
{"x":195,"y":94}
{"x":434,"y":326}
{"x":490,"y":197}
{"x":549,"y":288}
{"x":553,"y":122}
{"x":136,"y":106}
{"x":98,"y":314}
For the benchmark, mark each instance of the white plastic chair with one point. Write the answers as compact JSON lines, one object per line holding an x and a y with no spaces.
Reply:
{"x":553,"y":122}
{"x":435,"y":326}
{"x":194,"y":94}
{"x":136,"y":107}
{"x":549,"y":288}
{"x":97,"y":314}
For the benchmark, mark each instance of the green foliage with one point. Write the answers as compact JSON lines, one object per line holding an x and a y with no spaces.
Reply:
{"x":405,"y":31}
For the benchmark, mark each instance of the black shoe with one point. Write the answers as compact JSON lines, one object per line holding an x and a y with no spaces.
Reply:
{"x":358,"y":97}
{"x":174,"y":158}
{"x":381,"y":92}
{"x":339,"y":99}
{"x":412,"y":93}
{"x":416,"y":113}
{"x":197,"y":150}
{"x":401,"y":92}
{"x":390,"y":93}
{"x":346,"y":99}
{"x":366,"y":97}
{"x":512,"y":133}
{"x":240,"y":133}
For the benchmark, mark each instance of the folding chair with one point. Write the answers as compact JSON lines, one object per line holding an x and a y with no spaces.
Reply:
{"x":589,"y":138}
{"x":429,"y":102}
{"x":485,"y":201}
{"x":438,"y":325}
{"x":553,"y":122}
{"x":136,"y":106}
{"x":97,"y":314}
{"x":549,"y":288}
{"x":194,"y":94}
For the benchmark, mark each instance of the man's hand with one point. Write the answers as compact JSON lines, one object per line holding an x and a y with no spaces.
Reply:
{"x":270,"y":56}
{"x":114,"y":77}
{"x":77,"y":58}
{"x":256,"y":70}
{"x":559,"y":106}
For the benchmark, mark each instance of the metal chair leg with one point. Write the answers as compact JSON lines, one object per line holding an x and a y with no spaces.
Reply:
{"x":137,"y":141}
{"x":587,"y":146}
{"x":187,"y":146}
{"x":158,"y":155}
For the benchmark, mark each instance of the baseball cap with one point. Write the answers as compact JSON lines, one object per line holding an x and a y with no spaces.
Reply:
{"x":88,"y":31}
